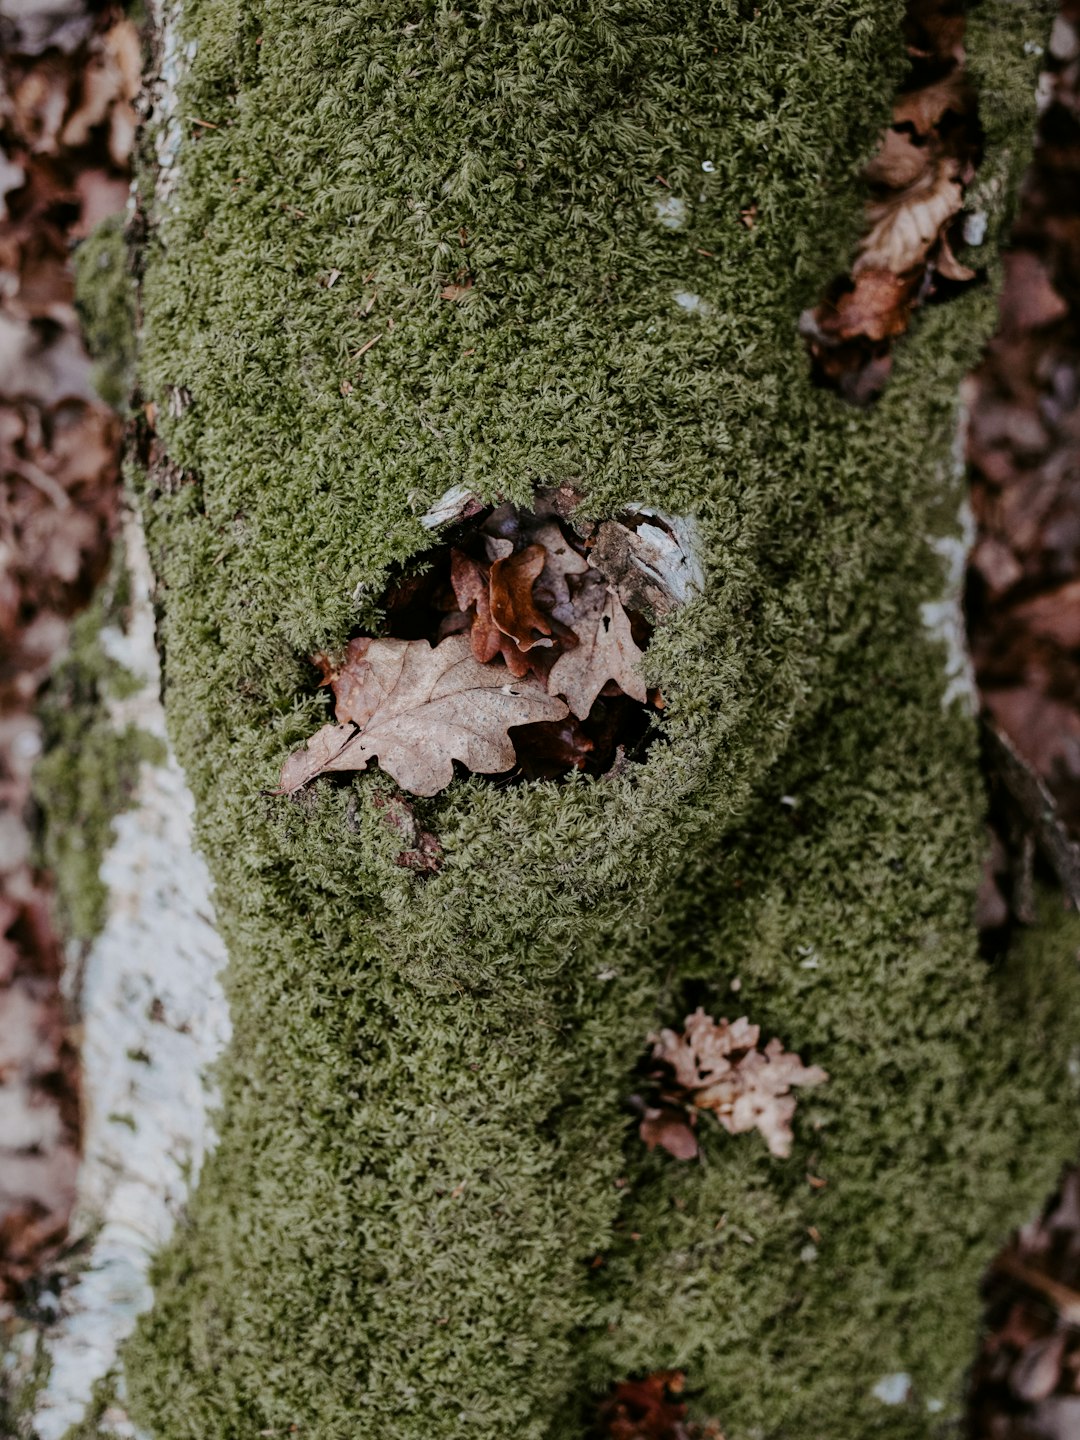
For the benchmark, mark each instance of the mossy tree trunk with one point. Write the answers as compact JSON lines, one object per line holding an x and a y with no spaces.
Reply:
{"x":428,"y":1213}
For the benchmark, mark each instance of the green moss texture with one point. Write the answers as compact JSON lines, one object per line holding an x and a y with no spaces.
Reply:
{"x":429,"y":1214}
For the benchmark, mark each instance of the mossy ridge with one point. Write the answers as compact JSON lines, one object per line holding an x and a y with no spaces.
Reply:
{"x":422,"y":1122}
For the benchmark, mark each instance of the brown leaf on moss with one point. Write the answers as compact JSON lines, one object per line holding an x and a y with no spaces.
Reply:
{"x":421,"y":709}
{"x":924,"y":108}
{"x":717,"y":1066}
{"x":877,"y":307}
{"x":605,"y":651}
{"x":924,"y":161}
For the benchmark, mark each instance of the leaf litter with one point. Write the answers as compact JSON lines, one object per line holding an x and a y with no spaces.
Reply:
{"x":68,"y":75}
{"x":918,"y":179}
{"x":514,"y":648}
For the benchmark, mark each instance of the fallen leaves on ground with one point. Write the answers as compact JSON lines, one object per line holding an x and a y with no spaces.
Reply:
{"x":1023,"y":443}
{"x":1026,"y":1381}
{"x":718,"y":1066}
{"x":69,"y":75}
{"x":925,"y":161}
{"x":516,"y":623}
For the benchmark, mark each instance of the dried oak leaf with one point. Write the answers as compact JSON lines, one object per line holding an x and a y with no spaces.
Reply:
{"x":717,"y":1066}
{"x":878,"y":307}
{"x":420,"y":709}
{"x":605,"y":651}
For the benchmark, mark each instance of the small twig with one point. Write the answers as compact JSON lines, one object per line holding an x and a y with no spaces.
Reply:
{"x":1065,"y":1300}
{"x":40,"y":479}
{"x":364,"y":348}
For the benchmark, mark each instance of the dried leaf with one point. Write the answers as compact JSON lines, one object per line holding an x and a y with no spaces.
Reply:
{"x":1039,"y":1368}
{"x":472,"y":590}
{"x":717,"y":1066}
{"x":670,"y":1128}
{"x":904,"y":227}
{"x":647,"y":1409}
{"x":512,"y":606}
{"x":926,"y":107}
{"x":898,"y":162}
{"x":946,"y":263}
{"x":605,"y":651}
{"x":423,"y":709}
{"x":878,"y":307}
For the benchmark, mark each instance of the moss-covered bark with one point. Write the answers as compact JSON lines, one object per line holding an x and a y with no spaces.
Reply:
{"x":423,"y":1146}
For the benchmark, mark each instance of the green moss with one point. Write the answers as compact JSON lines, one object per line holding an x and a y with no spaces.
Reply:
{"x":106,"y":300}
{"x":423,"y":1120}
{"x":89,"y":768}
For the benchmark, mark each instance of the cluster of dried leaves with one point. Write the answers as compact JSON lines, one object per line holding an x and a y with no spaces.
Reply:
{"x":67,"y":79}
{"x":1026,"y":1382}
{"x":519,"y":622}
{"x":1024,"y":454}
{"x":652,"y":1409}
{"x":918,"y":177}
{"x":716,"y":1066}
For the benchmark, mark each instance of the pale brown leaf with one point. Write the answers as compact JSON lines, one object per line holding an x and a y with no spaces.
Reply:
{"x":424,"y":708}
{"x":717,"y":1066}
{"x":904,"y":227}
{"x":946,"y":263}
{"x":605,"y":651}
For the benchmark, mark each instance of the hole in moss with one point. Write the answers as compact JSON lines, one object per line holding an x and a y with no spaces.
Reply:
{"x":512,"y":648}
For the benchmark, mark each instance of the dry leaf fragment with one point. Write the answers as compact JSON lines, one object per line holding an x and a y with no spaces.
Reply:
{"x":424,"y":708}
{"x":877,"y":307}
{"x":647,"y":1409}
{"x":927,"y":106}
{"x":669,"y":1127}
{"x":717,"y":1066}
{"x":471,"y":583}
{"x":898,"y":162}
{"x":512,"y":606}
{"x":904,"y":227}
{"x":605,"y":651}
